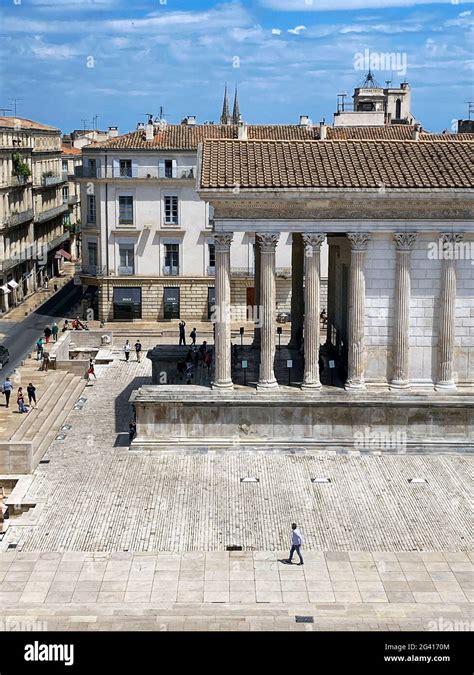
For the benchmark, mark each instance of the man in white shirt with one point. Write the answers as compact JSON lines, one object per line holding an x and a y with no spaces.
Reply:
{"x":296,"y":542}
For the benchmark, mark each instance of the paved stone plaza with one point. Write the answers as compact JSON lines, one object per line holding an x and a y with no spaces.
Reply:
{"x":122,"y":540}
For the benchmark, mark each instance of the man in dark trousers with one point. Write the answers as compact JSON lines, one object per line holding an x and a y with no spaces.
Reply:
{"x":138,"y":349}
{"x":182,"y":333}
{"x":296,"y":542}
{"x":31,"y":391}
{"x":7,"y":390}
{"x":193,"y":336}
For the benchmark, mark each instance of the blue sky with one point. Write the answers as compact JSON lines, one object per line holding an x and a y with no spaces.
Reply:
{"x":68,"y":60}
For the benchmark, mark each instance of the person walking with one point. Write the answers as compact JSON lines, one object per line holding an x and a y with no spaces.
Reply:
{"x":31,"y":391}
{"x":46,"y":281}
{"x":296,"y":543}
{"x":193,"y":336}
{"x":46,"y":362}
{"x":55,"y":331}
{"x":65,"y":325}
{"x":182,"y":333}
{"x":132,"y":430}
{"x":138,"y":349}
{"x":47,"y":333}
{"x":20,"y":399}
{"x":127,"y":349}
{"x":91,"y":370}
{"x":39,"y":348}
{"x":7,"y":390}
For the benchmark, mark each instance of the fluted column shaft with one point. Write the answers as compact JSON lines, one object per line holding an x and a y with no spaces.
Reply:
{"x":312,"y":244}
{"x":448,"y":312}
{"x":331,"y":308}
{"x":297,"y":283}
{"x":257,"y":308}
{"x":401,"y":336}
{"x":356,"y":327}
{"x":267,"y":243}
{"x":223,"y":372}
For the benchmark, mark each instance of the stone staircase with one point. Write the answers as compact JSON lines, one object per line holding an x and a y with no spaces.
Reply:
{"x":40,"y":426}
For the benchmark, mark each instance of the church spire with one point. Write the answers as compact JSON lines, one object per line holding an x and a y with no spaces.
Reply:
{"x":236,"y":110}
{"x":225,"y":117}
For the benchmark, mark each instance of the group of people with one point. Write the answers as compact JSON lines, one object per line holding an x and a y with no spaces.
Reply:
{"x":194,"y":358}
{"x":127,"y":348}
{"x":182,"y":334}
{"x":7,"y":390}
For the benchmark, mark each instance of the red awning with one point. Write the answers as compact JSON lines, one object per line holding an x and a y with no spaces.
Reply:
{"x":63,"y":254}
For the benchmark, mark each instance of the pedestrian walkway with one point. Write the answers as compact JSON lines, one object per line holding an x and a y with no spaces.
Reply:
{"x":238,"y":590}
{"x":41,"y":295}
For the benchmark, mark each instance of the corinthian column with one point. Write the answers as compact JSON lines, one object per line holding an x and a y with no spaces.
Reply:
{"x":401,"y":338}
{"x":356,"y":327}
{"x":297,"y":282}
{"x":256,"y":308}
{"x":267,"y":243}
{"x":448,"y":312}
{"x":223,"y":373}
{"x":312,"y":244}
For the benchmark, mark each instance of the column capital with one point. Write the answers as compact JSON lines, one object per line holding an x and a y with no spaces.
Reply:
{"x":267,"y":241}
{"x":313,"y":240}
{"x":405,"y":241}
{"x":223,"y":241}
{"x":358,"y":240}
{"x":451,"y":238}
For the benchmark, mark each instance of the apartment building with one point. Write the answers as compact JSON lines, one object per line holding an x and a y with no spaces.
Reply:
{"x":71,"y":160}
{"x":33,"y":237}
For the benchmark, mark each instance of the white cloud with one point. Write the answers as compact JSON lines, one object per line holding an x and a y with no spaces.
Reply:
{"x":332,"y":5}
{"x":276,"y":31}
{"x":51,"y":51}
{"x":297,"y":30}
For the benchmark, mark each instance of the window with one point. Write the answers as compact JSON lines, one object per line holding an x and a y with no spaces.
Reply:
{"x":211,"y":302}
{"x":125,"y":210}
{"x":92,"y":253}
{"x":127,"y":304}
{"x":126,"y":168}
{"x":168,"y":168}
{"x":127,"y":259}
{"x":91,"y":214}
{"x":398,"y":109}
{"x":171,"y":259}
{"x":171,"y":210}
{"x":93,"y":168}
{"x":212,"y":258}
{"x":171,"y":303}
{"x":65,"y":194}
{"x":64,"y":164}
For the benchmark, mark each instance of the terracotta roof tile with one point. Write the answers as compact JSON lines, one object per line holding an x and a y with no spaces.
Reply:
{"x":13,"y":122}
{"x":337,"y":164}
{"x":67,"y":150}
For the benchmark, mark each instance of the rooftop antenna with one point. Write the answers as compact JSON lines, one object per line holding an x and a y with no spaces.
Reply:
{"x":94,"y":122}
{"x":162,"y":113}
{"x":84,"y":122}
{"x":4,"y":110}
{"x":15,"y":101}
{"x":470,"y":108}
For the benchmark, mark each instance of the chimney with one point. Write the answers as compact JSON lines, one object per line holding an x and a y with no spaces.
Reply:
{"x":191,"y":120}
{"x":323,"y":130}
{"x":150,"y":131}
{"x":416,"y":132}
{"x":141,"y":126}
{"x":112,"y":132}
{"x":242,"y":132}
{"x":304,"y":121}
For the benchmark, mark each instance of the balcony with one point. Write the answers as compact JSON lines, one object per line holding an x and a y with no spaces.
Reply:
{"x":49,"y":181}
{"x":28,"y":254}
{"x":18,"y":181}
{"x":94,"y":270}
{"x":90,"y":225}
{"x":170,"y":271}
{"x":73,"y":199}
{"x":126,"y":271}
{"x":47,"y":214}
{"x":18,"y":218}
{"x":284,"y":272}
{"x":137,"y":173}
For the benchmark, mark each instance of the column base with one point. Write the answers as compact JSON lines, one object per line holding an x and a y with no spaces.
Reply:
{"x":264,"y":386}
{"x":226,"y":384}
{"x":446,"y":386}
{"x":311,"y":386}
{"x":354,"y":386}
{"x":399,"y":384}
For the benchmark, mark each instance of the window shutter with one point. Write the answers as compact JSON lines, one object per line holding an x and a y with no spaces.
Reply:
{"x":175,"y":168}
{"x":134,"y":169}
{"x":161,"y":168}
{"x":116,"y":168}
